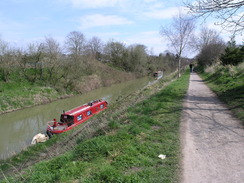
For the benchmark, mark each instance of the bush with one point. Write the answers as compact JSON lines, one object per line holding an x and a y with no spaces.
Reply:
{"x":233,"y":54}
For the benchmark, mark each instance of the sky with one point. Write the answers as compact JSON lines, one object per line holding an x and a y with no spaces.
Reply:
{"x":127,"y":21}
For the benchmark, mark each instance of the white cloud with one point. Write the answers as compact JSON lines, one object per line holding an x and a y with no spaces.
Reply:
{"x":129,"y":5}
{"x":151,"y":39}
{"x":162,"y":14}
{"x":105,"y":36}
{"x":97,"y":20}
{"x":95,"y":3}
{"x":165,"y":13}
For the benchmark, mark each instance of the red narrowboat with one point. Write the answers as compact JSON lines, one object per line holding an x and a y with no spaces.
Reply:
{"x":76,"y":116}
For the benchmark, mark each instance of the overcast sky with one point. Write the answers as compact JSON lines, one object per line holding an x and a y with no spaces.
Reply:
{"x":127,"y":21}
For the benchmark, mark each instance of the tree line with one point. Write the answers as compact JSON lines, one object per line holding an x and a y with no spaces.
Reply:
{"x":61,"y":65}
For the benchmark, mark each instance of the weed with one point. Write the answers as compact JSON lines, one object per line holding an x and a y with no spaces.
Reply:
{"x":113,"y":125}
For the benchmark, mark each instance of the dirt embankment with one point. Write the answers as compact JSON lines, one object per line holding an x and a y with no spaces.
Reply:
{"x":212,"y":139}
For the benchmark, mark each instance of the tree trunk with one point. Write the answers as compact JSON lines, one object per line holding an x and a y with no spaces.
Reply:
{"x":179,"y":65}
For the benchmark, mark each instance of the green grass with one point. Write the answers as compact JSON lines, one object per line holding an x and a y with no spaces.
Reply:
{"x":128,"y":151}
{"x":16,"y":95}
{"x":228,"y":83}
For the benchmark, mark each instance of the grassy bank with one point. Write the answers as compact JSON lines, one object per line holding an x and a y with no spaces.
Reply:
{"x":228,"y":83}
{"x":18,"y":93}
{"x":126,"y":147}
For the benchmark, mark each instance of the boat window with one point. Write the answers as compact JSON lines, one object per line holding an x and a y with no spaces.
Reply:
{"x":66,"y":119}
{"x":102,"y":106}
{"x":79,"y":118}
{"x":89,"y":113}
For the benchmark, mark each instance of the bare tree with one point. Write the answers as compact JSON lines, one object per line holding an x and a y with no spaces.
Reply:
{"x":5,"y":60}
{"x":95,"y":47}
{"x":179,"y":35}
{"x":209,"y":53}
{"x":75,"y":43}
{"x":52,"y":57}
{"x":33,"y":59}
{"x":229,"y":12}
{"x":210,"y":45}
{"x":3,"y":46}
{"x":207,"y":37}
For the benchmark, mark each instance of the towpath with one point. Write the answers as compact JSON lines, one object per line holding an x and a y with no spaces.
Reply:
{"x":212,"y":139}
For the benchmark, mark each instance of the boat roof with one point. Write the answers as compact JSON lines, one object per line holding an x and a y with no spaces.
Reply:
{"x":77,"y":110}
{"x":80,"y":109}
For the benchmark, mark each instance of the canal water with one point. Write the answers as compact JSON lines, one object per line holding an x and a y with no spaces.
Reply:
{"x":18,"y":128}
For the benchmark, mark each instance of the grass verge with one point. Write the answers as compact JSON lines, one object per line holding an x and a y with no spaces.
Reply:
{"x":16,"y":95}
{"x":228,"y":83}
{"x":128,"y":148}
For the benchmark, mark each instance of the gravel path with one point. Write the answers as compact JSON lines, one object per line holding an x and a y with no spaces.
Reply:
{"x":212,"y":139}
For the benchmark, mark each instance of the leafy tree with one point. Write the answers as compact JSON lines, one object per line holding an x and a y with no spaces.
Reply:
{"x":165,"y":62}
{"x":116,"y":53}
{"x":233,"y":54}
{"x":137,"y":58}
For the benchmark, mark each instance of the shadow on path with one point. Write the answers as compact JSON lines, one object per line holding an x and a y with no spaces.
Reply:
{"x":212,"y":139}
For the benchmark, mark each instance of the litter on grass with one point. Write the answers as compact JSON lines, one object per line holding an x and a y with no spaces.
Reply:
{"x":38,"y":138}
{"x":161,"y":156}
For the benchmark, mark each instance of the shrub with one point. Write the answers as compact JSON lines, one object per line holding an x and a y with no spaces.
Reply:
{"x":233,"y":54}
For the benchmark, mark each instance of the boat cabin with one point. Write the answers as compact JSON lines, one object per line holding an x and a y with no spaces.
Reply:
{"x":78,"y":114}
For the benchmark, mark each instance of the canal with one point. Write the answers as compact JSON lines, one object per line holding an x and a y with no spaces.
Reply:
{"x":19,"y":127}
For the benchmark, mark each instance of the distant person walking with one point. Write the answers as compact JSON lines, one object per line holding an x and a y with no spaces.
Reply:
{"x":191,"y":67}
